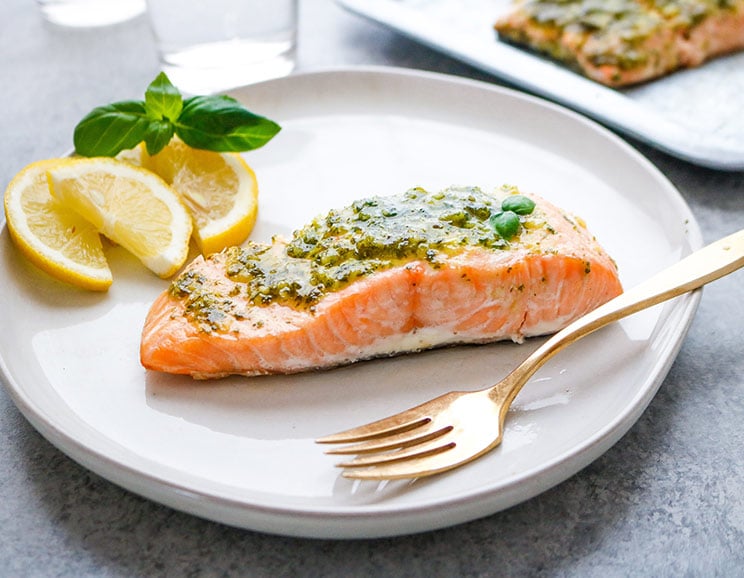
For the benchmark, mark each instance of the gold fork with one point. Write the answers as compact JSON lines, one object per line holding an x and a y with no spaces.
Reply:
{"x":459,"y":426}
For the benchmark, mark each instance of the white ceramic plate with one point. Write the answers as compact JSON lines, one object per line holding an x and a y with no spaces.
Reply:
{"x":693,"y":114}
{"x":240,"y":450}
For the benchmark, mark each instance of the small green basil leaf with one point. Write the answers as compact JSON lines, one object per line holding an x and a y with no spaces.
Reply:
{"x":518,"y":204}
{"x":158,"y":135}
{"x":505,"y":223}
{"x":162,"y":99}
{"x":220,"y":123}
{"x":108,"y":130}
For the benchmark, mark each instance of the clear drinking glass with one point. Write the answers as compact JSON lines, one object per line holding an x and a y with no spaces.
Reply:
{"x":90,"y":13}
{"x":209,"y":46}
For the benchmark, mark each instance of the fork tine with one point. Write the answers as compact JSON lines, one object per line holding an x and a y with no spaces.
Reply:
{"x":423,"y":450}
{"x":392,"y":425}
{"x":410,"y":437}
{"x":417,"y":467}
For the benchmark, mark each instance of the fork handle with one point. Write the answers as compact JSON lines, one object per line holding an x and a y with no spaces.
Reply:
{"x":703,"y":266}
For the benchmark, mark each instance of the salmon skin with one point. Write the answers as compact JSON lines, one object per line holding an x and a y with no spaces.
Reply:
{"x":625,"y":42}
{"x":385,"y":276}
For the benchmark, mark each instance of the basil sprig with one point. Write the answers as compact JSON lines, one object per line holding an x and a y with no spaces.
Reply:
{"x":215,"y":123}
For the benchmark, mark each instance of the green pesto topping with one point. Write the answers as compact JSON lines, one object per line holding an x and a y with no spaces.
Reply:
{"x":343,"y":245}
{"x":370,"y":235}
{"x":689,"y":12}
{"x":615,"y":29}
{"x":211,"y":311}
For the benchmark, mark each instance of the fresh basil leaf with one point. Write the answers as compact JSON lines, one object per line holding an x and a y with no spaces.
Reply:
{"x":162,"y":99}
{"x":220,"y":123}
{"x":108,"y":130}
{"x":158,"y":135}
{"x":216,"y":123}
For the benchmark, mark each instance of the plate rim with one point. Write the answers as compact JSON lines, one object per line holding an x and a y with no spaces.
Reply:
{"x":364,"y":521}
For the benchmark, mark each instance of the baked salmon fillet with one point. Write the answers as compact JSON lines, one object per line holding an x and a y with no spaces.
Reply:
{"x":625,"y":42}
{"x":384,"y":276}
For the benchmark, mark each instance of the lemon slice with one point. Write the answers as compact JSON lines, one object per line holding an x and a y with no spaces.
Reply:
{"x":132,"y":156}
{"x":219,"y":189}
{"x":53,"y":237}
{"x":130,"y":205}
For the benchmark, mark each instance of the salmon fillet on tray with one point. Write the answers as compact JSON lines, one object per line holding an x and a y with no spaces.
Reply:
{"x":625,"y":42}
{"x":383,"y":276}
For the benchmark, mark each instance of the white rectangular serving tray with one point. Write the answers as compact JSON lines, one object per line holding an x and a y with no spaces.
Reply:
{"x":696,"y":115}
